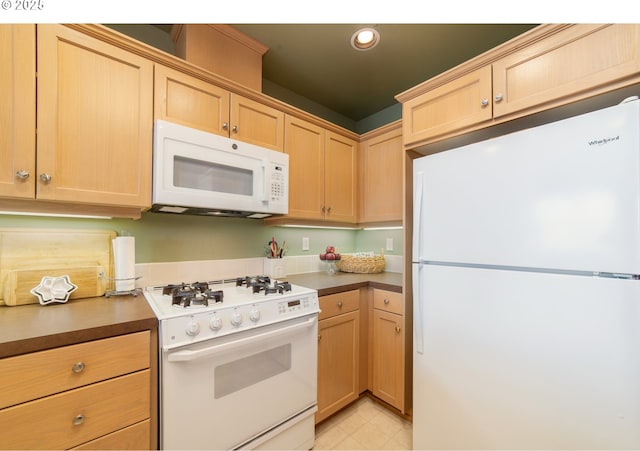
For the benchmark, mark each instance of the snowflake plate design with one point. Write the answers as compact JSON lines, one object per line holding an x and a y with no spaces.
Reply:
{"x":54,"y":289}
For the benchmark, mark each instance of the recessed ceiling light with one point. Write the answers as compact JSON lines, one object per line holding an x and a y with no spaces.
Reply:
{"x":365,"y":39}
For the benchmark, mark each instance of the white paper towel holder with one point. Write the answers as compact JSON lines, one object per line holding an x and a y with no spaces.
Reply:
{"x":110,"y":293}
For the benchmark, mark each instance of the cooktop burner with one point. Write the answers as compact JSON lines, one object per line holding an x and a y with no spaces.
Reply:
{"x":197,"y":294}
{"x":264,"y":284}
{"x":205,"y":294}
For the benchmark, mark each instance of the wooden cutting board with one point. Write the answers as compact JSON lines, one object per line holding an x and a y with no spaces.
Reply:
{"x":27,"y":255}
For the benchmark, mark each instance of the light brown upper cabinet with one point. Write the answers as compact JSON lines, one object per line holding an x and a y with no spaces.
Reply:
{"x":17,"y":110}
{"x":575,"y":63}
{"x":193,"y":102}
{"x":452,"y":107}
{"x":95,"y":121}
{"x":381,"y":177}
{"x":547,"y":67}
{"x":322,"y":172}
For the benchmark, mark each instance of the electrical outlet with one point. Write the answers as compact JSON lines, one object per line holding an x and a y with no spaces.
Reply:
{"x":305,"y":243}
{"x":389,"y":244}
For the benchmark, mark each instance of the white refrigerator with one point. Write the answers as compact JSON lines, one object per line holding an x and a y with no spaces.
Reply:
{"x":526,"y":256}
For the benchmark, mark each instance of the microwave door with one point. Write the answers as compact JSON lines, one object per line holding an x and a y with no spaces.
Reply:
{"x":210,"y":178}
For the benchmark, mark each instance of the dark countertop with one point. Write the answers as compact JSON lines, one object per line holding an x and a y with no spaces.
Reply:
{"x":343,"y":281}
{"x":34,"y":327}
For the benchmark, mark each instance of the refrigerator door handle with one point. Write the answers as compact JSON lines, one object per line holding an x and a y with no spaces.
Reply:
{"x":418,"y":306}
{"x":417,"y":215}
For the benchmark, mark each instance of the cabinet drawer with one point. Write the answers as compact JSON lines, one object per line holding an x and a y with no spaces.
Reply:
{"x":69,"y":419}
{"x":132,"y":437}
{"x":389,"y":301}
{"x":335,"y":304}
{"x":31,"y":376}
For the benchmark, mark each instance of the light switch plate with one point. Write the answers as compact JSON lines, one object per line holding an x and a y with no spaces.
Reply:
{"x":389,"y":244}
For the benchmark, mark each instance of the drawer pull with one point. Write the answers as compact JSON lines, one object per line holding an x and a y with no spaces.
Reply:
{"x":78,"y":367}
{"x":78,"y":420}
{"x":386,"y":302}
{"x":339,"y":304}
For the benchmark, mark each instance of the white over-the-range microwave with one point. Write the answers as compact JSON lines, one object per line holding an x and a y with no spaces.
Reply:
{"x":200,"y":173}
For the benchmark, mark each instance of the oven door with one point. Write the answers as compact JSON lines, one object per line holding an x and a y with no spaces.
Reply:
{"x":222,"y":393}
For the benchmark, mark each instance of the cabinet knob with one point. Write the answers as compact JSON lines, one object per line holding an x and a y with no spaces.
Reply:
{"x":484,"y":102}
{"x":329,"y":210}
{"x":22,"y":174}
{"x":78,"y":420}
{"x":319,"y":337}
{"x":78,"y":367}
{"x":234,"y":129}
{"x":45,"y":178}
{"x":339,"y":304}
{"x":398,"y":329}
{"x":498,"y":97}
{"x":386,"y":302}
{"x":225,"y":126}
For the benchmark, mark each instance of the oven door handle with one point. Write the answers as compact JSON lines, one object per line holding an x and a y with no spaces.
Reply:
{"x":188,"y":356}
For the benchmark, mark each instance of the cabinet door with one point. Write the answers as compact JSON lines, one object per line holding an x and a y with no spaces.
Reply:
{"x":388,"y":358}
{"x":95,"y":120}
{"x":189,"y":101}
{"x":304,"y":143}
{"x":17,"y":110}
{"x":382,"y":184}
{"x":338,"y":363}
{"x":255,"y":123}
{"x":340,"y":174}
{"x":449,"y":108}
{"x":569,"y":65}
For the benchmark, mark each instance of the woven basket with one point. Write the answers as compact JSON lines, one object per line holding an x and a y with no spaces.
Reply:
{"x":362,"y":265}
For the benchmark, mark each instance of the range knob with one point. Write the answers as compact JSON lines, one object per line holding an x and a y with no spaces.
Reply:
{"x":236,"y":319}
{"x":193,"y":329}
{"x":254,"y":315}
{"x":215,"y":323}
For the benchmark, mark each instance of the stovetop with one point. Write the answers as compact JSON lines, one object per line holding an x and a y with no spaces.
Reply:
{"x":196,"y":311}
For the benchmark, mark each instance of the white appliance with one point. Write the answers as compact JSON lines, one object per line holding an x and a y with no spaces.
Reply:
{"x":526,"y":256}
{"x":201,"y":173}
{"x":238,"y":364}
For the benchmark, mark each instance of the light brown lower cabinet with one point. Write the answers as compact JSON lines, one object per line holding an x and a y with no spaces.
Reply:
{"x":361,"y":346}
{"x":338,"y":352}
{"x":93,"y":395}
{"x":388,"y":348}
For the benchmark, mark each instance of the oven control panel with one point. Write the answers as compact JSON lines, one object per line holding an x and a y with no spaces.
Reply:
{"x":295,"y":305}
{"x":210,"y":324}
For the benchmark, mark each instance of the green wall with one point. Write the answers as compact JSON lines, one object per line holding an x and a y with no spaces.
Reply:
{"x":166,"y":237}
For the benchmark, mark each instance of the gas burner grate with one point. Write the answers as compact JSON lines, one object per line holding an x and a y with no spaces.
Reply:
{"x":275,"y":288}
{"x":251,"y":281}
{"x":195,"y":294}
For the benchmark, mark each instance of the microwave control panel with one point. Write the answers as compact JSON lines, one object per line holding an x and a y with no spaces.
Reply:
{"x":278,"y":183}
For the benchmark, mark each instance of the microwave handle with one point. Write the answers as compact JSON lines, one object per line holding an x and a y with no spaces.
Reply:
{"x":265,"y":187}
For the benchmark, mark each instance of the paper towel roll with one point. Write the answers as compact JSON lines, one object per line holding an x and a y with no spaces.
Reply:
{"x":124,"y":253}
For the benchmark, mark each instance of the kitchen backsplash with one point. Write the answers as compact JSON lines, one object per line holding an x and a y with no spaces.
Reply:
{"x":150,"y":274}
{"x":171,"y":238}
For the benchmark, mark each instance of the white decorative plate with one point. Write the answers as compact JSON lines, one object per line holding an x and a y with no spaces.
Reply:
{"x":54,"y":289}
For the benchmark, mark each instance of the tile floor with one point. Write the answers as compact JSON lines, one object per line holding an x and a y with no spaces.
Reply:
{"x":364,"y":425}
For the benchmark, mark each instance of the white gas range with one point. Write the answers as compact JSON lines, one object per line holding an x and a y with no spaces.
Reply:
{"x":238,"y":364}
